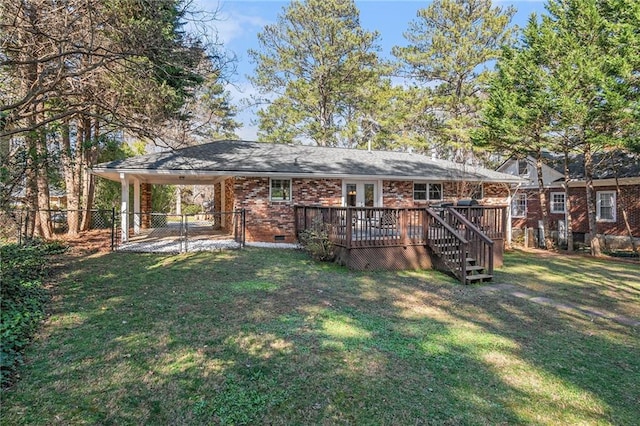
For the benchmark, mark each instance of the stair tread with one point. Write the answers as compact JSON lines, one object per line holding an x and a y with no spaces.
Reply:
{"x":478,"y":277}
{"x":473,"y":268}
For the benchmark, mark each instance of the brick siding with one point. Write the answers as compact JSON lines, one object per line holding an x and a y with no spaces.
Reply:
{"x":266,"y":219}
{"x":630,"y":195}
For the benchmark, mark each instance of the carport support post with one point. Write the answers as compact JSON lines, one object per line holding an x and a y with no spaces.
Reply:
{"x":124,"y":208}
{"x":136,"y":206}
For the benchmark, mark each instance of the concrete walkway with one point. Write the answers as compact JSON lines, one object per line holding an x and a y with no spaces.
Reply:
{"x":520,"y":293}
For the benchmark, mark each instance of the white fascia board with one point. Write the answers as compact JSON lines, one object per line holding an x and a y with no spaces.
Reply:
{"x":606,"y":182}
{"x":141,"y":173}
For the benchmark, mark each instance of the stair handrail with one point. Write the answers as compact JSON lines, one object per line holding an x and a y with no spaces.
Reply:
{"x":463,"y":242}
{"x":471,"y":225}
{"x":475,"y":230}
{"x":446,"y":225}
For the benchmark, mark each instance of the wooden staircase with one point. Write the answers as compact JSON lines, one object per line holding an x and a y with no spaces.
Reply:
{"x":461,"y":247}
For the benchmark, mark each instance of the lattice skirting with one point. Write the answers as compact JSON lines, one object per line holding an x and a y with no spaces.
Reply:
{"x":385,"y":258}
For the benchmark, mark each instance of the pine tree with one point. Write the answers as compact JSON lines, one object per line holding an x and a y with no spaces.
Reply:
{"x":452,"y":43}
{"x":316,"y":60}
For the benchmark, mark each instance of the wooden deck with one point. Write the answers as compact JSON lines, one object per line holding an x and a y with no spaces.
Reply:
{"x":466,"y":241}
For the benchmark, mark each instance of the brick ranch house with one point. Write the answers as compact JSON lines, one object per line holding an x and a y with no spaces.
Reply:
{"x":525,"y":205}
{"x":270,"y":180}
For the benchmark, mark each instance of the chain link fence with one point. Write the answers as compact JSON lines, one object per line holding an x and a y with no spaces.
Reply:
{"x":148,"y":232}
{"x":20,"y":225}
{"x":172,"y":233}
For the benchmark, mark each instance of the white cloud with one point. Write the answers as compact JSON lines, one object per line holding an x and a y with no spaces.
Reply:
{"x":228,"y":22}
{"x":231,"y":25}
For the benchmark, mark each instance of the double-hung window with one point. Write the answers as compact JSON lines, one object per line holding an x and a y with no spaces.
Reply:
{"x":280,"y":190}
{"x":519,"y":205}
{"x":427,"y":191}
{"x":606,"y":206}
{"x":557,"y":202}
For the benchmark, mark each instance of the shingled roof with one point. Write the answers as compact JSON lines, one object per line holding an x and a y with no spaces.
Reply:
{"x":244,"y":158}
{"x":605,"y":164}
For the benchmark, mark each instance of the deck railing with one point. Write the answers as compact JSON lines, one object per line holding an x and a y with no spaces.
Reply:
{"x":491,"y":220}
{"x":480,"y":246}
{"x":353,"y":227}
{"x":448,"y":243}
{"x":385,"y":226}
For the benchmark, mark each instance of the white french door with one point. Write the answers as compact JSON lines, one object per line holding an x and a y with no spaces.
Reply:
{"x":361,"y":194}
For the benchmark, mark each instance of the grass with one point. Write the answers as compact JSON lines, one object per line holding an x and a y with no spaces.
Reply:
{"x":269,"y":336}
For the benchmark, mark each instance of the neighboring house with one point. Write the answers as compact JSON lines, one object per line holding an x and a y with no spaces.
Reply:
{"x":57,"y":198}
{"x":525,"y":205}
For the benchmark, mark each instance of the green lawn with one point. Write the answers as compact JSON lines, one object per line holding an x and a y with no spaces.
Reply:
{"x":268,"y":336}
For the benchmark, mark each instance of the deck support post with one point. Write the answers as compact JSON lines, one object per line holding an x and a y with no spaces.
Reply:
{"x":124,"y":208}
{"x":349,"y":227}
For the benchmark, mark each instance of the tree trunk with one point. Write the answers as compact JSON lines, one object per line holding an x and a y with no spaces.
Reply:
{"x":42,"y":181}
{"x":31,"y":189}
{"x":542,"y":197}
{"x":567,"y":203}
{"x":70,"y":169}
{"x":623,"y":205}
{"x":90,"y":151}
{"x":591,"y":201}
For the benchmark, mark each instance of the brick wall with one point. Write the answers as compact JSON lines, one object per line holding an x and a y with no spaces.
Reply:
{"x":265,"y":219}
{"x":580,"y":223}
{"x":495,"y":194}
{"x":397,"y":193}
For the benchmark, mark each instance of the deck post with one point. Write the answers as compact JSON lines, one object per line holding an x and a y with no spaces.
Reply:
{"x":304,"y":215}
{"x":404,"y":227}
{"x":349,"y":225}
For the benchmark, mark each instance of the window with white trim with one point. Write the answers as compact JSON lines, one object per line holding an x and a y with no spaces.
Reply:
{"x":280,"y":190}
{"x":557,"y":202}
{"x":427,"y":191}
{"x":519,"y":205}
{"x":606,"y":206}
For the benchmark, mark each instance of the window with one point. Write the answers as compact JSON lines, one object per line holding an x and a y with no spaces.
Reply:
{"x":606,"y":206}
{"x":519,"y":205}
{"x":427,"y":191}
{"x":435,"y":191}
{"x":523,"y":168}
{"x":420,"y":191}
{"x":280,"y":190}
{"x":557,"y":202}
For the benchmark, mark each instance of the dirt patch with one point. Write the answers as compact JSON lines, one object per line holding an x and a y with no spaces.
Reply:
{"x":89,"y":242}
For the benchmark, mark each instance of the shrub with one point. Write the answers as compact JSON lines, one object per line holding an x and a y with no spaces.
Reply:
{"x":192,"y":209}
{"x":22,"y":300}
{"x":315,"y":241}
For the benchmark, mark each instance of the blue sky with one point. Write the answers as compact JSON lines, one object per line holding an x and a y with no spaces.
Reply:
{"x":239,"y":21}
